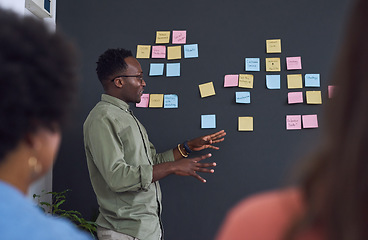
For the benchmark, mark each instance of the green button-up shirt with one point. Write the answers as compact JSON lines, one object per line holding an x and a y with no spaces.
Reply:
{"x":120,"y":161}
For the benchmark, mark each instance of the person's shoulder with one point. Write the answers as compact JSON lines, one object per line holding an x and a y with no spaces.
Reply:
{"x":263,"y":216}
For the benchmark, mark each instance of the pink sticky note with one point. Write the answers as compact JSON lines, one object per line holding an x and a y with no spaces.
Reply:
{"x":293,"y":122}
{"x":144,"y":101}
{"x":231,"y":80}
{"x":295,"y":97}
{"x":310,"y":121}
{"x":158,"y":51}
{"x":293,"y":63}
{"x":331,"y":89}
{"x":179,"y":37}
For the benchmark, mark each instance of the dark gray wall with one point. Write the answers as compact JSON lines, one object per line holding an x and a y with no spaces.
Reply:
{"x":227,"y":32}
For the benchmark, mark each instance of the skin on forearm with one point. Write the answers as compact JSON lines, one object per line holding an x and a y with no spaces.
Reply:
{"x":162,"y":170}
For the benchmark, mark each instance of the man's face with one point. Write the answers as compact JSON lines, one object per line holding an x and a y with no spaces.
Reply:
{"x":133,"y":86}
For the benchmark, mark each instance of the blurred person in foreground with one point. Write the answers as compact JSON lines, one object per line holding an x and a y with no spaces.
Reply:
{"x":38,"y":81}
{"x":331,"y":199}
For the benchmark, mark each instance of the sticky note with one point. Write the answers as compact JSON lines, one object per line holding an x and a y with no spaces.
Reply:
{"x":294,"y":81}
{"x":207,"y":89}
{"x":245,"y":124}
{"x":242,"y":97}
{"x":310,"y":121}
{"x":293,"y":122}
{"x":143,"y":51}
{"x":273,"y":46}
{"x":293,"y":63}
{"x":252,"y":64}
{"x":162,"y":37}
{"x":156,"y":69}
{"x":312,"y":80}
{"x":273,"y":65}
{"x":331,"y":90}
{"x":191,"y":51}
{"x":273,"y":81}
{"x":172,"y":69}
{"x":174,"y":52}
{"x":170,"y":101}
{"x":295,"y":97}
{"x":158,"y":51}
{"x":156,"y":100}
{"x":179,"y":37}
{"x":246,"y":80}
{"x":231,"y":80}
{"x":144,"y":101}
{"x":208,"y":121}
{"x":314,"y":97}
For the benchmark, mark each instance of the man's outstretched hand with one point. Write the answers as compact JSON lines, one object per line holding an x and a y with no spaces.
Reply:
{"x":206,"y":141}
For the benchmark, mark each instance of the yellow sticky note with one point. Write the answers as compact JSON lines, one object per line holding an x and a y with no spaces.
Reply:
{"x":245,"y":124}
{"x":273,"y":46}
{"x":314,"y":97}
{"x":246,"y":80}
{"x":207,"y":89}
{"x":143,"y":51}
{"x":156,"y":101}
{"x":174,"y":52}
{"x":162,"y":36}
{"x":294,"y":81}
{"x":273,"y":65}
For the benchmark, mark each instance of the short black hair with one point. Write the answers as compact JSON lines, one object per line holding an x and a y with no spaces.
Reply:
{"x":38,"y":78}
{"x":111,"y":62}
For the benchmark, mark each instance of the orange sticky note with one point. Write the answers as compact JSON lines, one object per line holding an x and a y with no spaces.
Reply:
{"x":207,"y":89}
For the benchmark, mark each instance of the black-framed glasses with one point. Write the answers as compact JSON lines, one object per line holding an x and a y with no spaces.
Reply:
{"x":140,"y":77}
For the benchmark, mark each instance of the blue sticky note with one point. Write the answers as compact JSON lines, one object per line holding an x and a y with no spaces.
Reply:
{"x":208,"y":121}
{"x":170,"y":101}
{"x":252,"y":64}
{"x":156,"y":69}
{"x":273,"y":81}
{"x":191,"y":51}
{"x":242,"y":97}
{"x":173,"y":70}
{"x":312,"y":80}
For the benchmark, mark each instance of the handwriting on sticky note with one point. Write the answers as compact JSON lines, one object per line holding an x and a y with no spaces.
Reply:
{"x":273,"y":46}
{"x":174,"y":52}
{"x":314,"y":97}
{"x":273,"y":81}
{"x":252,"y":64}
{"x":242,"y":97}
{"x":158,"y":51}
{"x":312,"y":80}
{"x":207,"y":89}
{"x":293,"y":122}
{"x":295,"y":97}
{"x":293,"y":63}
{"x":170,"y":101}
{"x":310,"y":121}
{"x":245,"y":124}
{"x":246,"y":80}
{"x":191,"y":51}
{"x":231,"y":80}
{"x":143,"y":51}
{"x":208,"y":121}
{"x":144,"y":101}
{"x":294,"y":81}
{"x":273,"y":65}
{"x":162,"y":37}
{"x":179,"y":37}
{"x":156,"y":100}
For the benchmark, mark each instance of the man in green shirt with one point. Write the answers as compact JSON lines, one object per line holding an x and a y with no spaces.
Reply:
{"x":123,"y":165}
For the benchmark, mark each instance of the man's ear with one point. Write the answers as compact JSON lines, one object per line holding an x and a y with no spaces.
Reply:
{"x":119,"y":82}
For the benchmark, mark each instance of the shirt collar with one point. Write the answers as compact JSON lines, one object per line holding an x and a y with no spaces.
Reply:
{"x":115,"y":101}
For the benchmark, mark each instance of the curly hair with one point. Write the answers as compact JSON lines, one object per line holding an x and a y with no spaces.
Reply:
{"x":110,"y":62}
{"x":38,"y":78}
